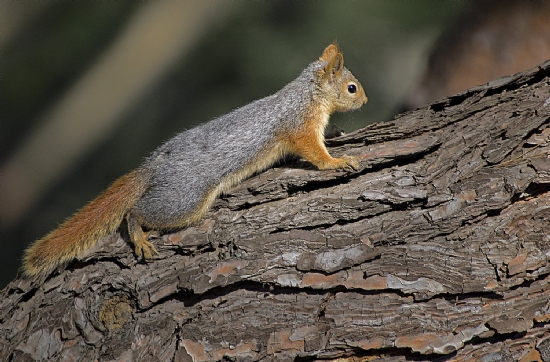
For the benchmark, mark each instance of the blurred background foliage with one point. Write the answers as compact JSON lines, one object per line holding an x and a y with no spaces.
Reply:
{"x":88,"y":89}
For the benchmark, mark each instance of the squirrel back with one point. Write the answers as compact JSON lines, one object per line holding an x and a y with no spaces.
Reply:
{"x":177,"y":184}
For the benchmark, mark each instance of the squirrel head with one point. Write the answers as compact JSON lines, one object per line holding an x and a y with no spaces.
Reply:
{"x":339,"y":90}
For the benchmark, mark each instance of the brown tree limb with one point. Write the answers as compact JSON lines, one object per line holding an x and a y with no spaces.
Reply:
{"x":437,"y":248}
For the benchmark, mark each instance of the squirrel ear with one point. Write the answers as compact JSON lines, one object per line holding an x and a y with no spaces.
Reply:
{"x":335,"y":60}
{"x":333,"y":69}
{"x":329,"y":52}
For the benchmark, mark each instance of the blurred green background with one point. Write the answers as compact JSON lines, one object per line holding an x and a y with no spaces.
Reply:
{"x":88,"y":89}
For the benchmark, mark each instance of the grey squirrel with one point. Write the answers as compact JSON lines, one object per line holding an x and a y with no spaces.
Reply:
{"x":176,"y":185}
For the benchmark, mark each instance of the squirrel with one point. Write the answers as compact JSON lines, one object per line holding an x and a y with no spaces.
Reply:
{"x":175,"y":186}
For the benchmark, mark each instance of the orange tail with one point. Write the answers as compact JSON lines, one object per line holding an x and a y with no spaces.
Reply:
{"x":100,"y":217}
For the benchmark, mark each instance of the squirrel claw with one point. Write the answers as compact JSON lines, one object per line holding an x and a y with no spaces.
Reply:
{"x":345,"y":162}
{"x":350,"y":163}
{"x":145,"y":249}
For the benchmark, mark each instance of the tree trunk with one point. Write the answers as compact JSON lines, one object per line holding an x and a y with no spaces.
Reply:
{"x":436,"y":249}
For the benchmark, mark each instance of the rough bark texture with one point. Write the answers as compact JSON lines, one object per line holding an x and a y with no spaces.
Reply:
{"x":437,"y":249}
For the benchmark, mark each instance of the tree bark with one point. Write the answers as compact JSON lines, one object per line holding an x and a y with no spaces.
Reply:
{"x":436,"y":249}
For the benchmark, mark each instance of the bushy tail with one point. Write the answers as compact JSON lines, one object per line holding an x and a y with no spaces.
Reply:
{"x":100,"y":217}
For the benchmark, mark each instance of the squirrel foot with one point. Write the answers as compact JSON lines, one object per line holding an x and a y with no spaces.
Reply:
{"x":345,"y":162}
{"x":143,"y":247}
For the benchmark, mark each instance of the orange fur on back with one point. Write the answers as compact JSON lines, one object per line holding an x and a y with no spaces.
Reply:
{"x":100,"y":217}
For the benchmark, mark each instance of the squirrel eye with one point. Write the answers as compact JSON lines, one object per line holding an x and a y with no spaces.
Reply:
{"x":352,"y":88}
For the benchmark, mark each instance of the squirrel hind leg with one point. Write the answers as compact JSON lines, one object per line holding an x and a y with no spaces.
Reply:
{"x":142,"y":247}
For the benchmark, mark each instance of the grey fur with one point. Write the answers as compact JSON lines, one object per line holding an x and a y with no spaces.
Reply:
{"x":187,"y":167}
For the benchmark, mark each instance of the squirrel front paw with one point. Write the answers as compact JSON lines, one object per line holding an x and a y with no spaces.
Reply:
{"x":344,"y":162}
